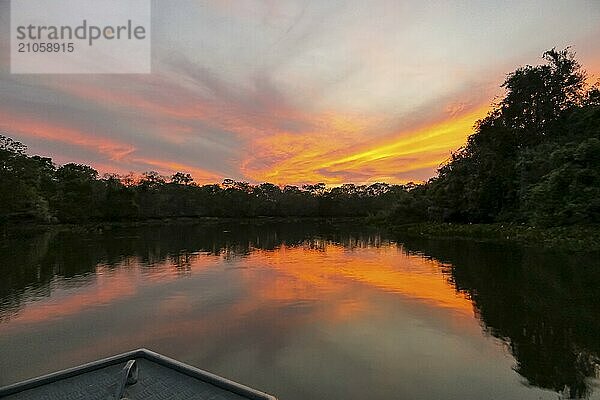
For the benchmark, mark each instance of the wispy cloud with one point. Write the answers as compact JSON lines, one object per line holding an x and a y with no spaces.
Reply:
{"x":293,"y":91}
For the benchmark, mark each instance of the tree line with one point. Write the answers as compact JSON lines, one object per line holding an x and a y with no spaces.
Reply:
{"x":535,"y":159}
{"x":33,"y":188}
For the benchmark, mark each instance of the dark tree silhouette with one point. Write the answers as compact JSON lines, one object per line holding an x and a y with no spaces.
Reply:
{"x":535,"y":158}
{"x":543,"y":305}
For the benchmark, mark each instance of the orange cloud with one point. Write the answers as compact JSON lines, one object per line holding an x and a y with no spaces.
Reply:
{"x":121,"y":154}
{"x":30,"y":127}
{"x":329,"y":156}
{"x":330,"y":147}
{"x":271,"y":140}
{"x":158,"y":99}
{"x":164,"y":102}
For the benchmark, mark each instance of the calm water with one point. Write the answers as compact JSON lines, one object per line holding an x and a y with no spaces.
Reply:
{"x":307,"y":311}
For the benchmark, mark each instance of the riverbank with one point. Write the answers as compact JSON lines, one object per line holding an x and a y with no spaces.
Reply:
{"x":572,"y":238}
{"x":101,"y":226}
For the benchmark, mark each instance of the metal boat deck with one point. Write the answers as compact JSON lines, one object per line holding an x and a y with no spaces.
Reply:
{"x":156,"y":378}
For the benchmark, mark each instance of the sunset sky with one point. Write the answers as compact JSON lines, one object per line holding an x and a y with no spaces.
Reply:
{"x":295,"y":92}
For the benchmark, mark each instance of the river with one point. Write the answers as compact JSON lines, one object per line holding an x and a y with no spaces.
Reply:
{"x":307,"y":310}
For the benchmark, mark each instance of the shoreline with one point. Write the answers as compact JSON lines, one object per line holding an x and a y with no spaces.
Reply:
{"x":98,"y":226}
{"x":579,"y":238}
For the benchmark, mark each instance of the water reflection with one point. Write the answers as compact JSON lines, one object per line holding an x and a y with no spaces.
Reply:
{"x":544,"y":305}
{"x":306,"y":310}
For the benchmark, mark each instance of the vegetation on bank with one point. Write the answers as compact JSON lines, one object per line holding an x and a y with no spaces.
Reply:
{"x":534,"y":160}
{"x":33,"y":188}
{"x":570,"y":238}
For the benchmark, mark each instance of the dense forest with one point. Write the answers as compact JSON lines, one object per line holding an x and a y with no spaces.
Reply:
{"x":535,"y":159}
{"x":34,"y":189}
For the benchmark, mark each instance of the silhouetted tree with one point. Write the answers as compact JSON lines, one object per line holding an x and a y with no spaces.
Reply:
{"x":534,"y":158}
{"x":531,"y":158}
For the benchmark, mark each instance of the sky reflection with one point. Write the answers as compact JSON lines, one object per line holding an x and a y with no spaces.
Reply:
{"x":300,"y":315}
